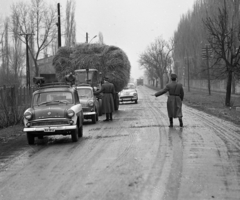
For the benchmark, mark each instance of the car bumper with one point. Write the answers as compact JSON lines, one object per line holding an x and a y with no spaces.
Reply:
{"x":55,"y":128}
{"x":89,"y":113}
{"x":121,"y":99}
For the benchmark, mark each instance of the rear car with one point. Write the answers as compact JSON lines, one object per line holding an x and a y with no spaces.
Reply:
{"x":89,"y":102}
{"x":55,"y":110}
{"x":129,"y":94}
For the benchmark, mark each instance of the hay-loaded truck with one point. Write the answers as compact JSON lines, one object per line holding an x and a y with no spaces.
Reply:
{"x":90,"y":63}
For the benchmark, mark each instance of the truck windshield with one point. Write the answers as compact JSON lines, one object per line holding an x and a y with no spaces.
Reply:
{"x":81,"y":77}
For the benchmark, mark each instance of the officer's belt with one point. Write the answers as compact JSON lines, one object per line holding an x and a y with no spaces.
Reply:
{"x":175,"y":95}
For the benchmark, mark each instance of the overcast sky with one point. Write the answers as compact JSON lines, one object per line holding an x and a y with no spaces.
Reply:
{"x":129,"y":24}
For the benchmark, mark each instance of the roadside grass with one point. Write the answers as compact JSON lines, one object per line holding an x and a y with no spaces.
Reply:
{"x":213,"y":104}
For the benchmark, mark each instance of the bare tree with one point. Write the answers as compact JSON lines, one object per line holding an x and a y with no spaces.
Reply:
{"x":5,"y":52}
{"x":156,"y":59}
{"x":39,"y":20}
{"x":223,"y":40}
{"x":70,"y":24}
{"x":17,"y":55}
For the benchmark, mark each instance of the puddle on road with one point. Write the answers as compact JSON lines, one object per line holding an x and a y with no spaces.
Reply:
{"x":130,"y":119}
{"x":105,"y":136}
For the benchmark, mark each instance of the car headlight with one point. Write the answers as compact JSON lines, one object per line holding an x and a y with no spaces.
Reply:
{"x":70,"y":113}
{"x":28,"y":115}
{"x":134,"y":94}
{"x":90,"y":103}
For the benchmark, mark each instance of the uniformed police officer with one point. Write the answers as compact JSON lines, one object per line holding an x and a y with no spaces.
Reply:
{"x":108,"y":91}
{"x":175,"y":98}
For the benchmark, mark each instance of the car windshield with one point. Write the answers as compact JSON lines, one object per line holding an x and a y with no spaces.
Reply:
{"x":85,"y":93}
{"x":52,"y":97}
{"x":129,"y":86}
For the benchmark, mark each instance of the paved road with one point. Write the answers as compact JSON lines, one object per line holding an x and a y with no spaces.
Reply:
{"x":136,"y":156}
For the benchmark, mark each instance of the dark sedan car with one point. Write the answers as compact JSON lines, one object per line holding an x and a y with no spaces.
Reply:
{"x":90,"y":104}
{"x":55,"y":110}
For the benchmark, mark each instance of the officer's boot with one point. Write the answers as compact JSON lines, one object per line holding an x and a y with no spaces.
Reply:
{"x":107,"y":117}
{"x":180,"y":122}
{"x":171,"y":122}
{"x":110,"y":116}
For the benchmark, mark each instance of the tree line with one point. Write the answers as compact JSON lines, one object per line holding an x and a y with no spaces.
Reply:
{"x":34,"y":25}
{"x":205,"y":45}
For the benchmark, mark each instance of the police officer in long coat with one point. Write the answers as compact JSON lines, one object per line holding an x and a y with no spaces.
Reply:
{"x":175,"y":98}
{"x":108,"y":91}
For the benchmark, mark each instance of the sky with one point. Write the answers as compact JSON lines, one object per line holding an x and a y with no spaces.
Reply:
{"x":131,"y":25}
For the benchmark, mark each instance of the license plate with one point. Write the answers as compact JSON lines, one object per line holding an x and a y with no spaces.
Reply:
{"x":49,"y":130}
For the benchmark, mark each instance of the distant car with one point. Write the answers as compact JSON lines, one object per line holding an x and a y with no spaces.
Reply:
{"x":129,"y":93}
{"x":90,"y":104}
{"x":55,"y":110}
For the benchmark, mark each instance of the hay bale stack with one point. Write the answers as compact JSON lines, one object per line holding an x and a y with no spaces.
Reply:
{"x":109,"y":60}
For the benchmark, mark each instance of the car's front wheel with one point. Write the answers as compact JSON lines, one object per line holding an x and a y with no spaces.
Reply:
{"x":97,"y":117}
{"x":74,"y":134}
{"x":30,"y":139}
{"x":94,"y":119}
{"x":80,"y":131}
{"x":136,"y":101}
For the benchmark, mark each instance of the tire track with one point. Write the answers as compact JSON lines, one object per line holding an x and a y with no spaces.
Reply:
{"x":168,"y":163}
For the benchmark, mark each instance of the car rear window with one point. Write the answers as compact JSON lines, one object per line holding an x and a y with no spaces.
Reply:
{"x":85,"y":93}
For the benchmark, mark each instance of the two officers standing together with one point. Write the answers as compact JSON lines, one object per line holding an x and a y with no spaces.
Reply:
{"x":175,"y":98}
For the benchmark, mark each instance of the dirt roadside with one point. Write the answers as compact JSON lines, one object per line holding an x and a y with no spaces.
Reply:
{"x":212,"y":104}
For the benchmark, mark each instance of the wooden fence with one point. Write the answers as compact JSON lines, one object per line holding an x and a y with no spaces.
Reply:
{"x":13,"y":96}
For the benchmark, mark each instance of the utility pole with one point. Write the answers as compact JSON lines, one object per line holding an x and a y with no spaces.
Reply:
{"x":86,"y":37}
{"x":207,"y":54}
{"x":59,"y":26}
{"x":188,"y":75}
{"x":28,"y":83}
{"x":188,"y":72}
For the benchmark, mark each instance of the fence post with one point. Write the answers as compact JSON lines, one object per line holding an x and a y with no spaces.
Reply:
{"x":20,"y":96}
{"x":24,"y":95}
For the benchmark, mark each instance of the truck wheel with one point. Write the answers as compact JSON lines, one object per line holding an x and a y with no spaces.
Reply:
{"x":136,"y":101}
{"x":100,"y":107}
{"x":80,"y":131}
{"x":74,"y":134}
{"x":94,"y":119}
{"x":116,"y":103}
{"x":30,"y":139}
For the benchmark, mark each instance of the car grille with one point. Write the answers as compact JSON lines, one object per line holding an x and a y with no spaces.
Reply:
{"x":86,"y":109}
{"x":50,"y":123}
{"x":123,"y":97}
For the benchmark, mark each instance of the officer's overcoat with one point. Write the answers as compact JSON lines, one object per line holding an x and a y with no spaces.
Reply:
{"x":175,"y":97}
{"x":108,"y":91}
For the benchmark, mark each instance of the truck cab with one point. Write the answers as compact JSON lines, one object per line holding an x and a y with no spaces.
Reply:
{"x":88,"y":76}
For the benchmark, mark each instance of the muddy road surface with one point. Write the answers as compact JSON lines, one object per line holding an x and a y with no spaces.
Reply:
{"x":136,"y":156}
